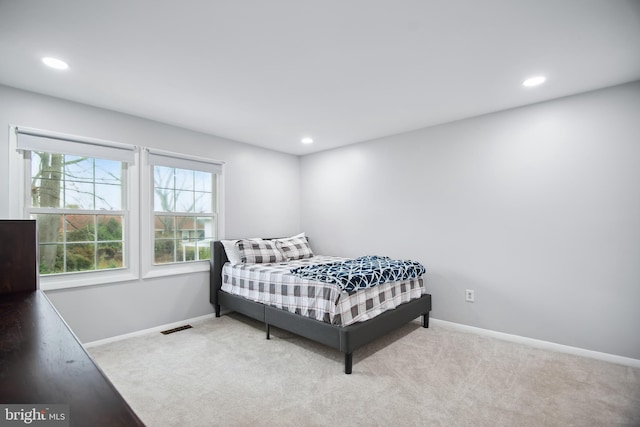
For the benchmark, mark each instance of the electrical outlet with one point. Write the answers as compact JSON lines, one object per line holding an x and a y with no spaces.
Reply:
{"x":469,"y":295}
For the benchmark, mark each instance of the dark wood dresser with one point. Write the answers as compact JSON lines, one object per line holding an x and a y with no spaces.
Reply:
{"x":41,"y":360}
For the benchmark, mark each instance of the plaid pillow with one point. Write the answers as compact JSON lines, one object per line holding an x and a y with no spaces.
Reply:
{"x":295,"y":248}
{"x":231,"y":249}
{"x":259,"y":252}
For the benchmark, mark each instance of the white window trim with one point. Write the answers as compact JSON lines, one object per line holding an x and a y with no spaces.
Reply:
{"x":139,"y":258}
{"x":18,"y":203}
{"x":149,"y":269}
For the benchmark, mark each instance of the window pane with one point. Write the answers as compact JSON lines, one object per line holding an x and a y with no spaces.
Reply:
{"x":184,"y":201}
{"x":110,"y":255}
{"x":202,"y":181}
{"x":163,"y":186}
{"x":109,"y":172}
{"x":46,"y":178}
{"x":79,"y":169}
{"x":35,"y":164}
{"x":109,"y":227}
{"x":80,"y":228}
{"x":164,"y":200}
{"x":49,"y":228}
{"x":208,"y":226}
{"x":164,"y":251}
{"x":187,"y":229}
{"x":183,"y":179}
{"x":163,"y":177}
{"x":108,"y":197}
{"x":165,"y":227}
{"x":51,"y":254}
{"x":50,"y":232}
{"x":203,"y":203}
{"x":204,"y":250}
{"x":46,"y":193}
{"x":51,"y":258}
{"x":189,"y":251}
{"x":182,"y":238}
{"x":80,"y":257}
{"x":78,"y":195}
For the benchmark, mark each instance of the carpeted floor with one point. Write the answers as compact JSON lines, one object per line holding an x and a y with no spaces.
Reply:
{"x":223,"y":372}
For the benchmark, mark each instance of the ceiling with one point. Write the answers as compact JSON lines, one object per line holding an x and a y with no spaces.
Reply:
{"x":269,"y":73}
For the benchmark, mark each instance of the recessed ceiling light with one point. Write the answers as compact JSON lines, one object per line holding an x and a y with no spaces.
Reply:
{"x":56,"y":63}
{"x":534,"y":81}
{"x":307,"y":140}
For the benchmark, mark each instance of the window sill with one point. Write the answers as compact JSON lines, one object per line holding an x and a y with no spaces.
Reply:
{"x":77,"y":280}
{"x":175,"y":269}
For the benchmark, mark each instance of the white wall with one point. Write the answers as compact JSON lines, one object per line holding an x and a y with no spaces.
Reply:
{"x":262,"y":199}
{"x":537,"y":209}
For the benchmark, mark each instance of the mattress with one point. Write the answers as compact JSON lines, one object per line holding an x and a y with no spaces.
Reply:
{"x":274,"y":285}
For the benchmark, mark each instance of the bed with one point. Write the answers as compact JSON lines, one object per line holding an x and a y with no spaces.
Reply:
{"x":345,"y":336}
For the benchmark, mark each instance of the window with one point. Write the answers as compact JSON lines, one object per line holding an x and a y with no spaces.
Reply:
{"x":78,"y":191}
{"x":94,"y":207}
{"x":185,"y":207}
{"x":79,"y":207}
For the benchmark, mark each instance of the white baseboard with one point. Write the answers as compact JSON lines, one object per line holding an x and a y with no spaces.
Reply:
{"x":621,"y":360}
{"x":147,"y":331}
{"x":627,"y":361}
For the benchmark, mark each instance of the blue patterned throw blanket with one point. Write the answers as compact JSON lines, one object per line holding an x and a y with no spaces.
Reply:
{"x":363,"y":272}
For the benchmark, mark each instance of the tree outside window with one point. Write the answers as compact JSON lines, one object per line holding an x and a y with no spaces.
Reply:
{"x":78,"y":204}
{"x":184,"y":217}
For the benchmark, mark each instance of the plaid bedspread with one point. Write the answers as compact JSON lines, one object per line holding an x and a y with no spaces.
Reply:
{"x":274,"y":285}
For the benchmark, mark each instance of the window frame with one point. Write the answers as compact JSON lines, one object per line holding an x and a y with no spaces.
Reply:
{"x":20,"y":203}
{"x":151,"y":157}
{"x":138,"y":231}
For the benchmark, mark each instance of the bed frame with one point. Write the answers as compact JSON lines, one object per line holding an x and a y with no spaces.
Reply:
{"x":346,"y":339}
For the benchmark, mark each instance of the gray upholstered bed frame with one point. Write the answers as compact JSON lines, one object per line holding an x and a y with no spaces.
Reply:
{"x":346,"y":339}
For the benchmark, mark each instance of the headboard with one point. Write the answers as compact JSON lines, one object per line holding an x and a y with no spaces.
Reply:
{"x":218,"y":258}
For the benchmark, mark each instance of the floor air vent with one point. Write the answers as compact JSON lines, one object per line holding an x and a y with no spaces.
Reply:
{"x":179,"y":328}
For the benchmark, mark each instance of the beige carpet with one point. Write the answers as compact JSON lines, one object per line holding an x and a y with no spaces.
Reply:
{"x":223,"y":372}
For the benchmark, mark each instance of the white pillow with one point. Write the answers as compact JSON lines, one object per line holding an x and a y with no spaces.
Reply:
{"x":233,"y":253}
{"x":297,"y":236}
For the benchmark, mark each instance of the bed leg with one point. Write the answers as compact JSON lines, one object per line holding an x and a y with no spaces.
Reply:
{"x":348,"y":362}
{"x":268,"y":331}
{"x":425,"y":320}
{"x":217,"y":307}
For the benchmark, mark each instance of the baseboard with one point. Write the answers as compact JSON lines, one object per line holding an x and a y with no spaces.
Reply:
{"x":547,"y":345}
{"x":147,"y":331}
{"x":620,"y":360}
